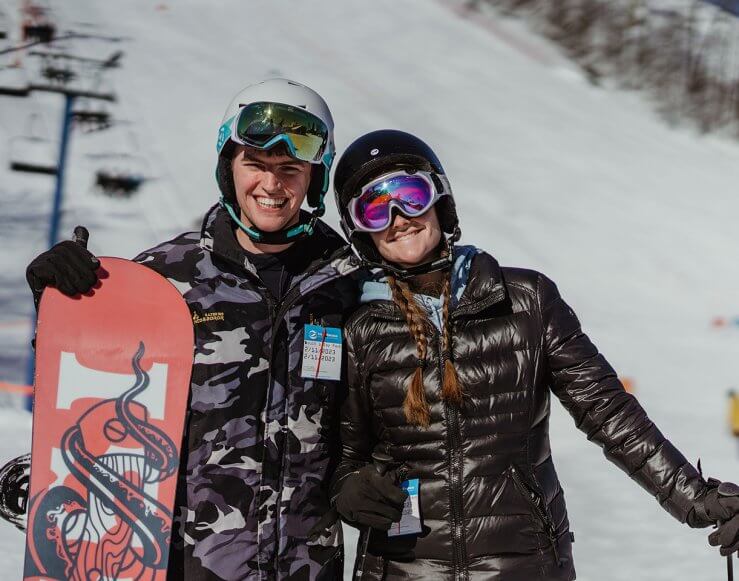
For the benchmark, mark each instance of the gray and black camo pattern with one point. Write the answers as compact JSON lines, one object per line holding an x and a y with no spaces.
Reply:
{"x":257,"y":455}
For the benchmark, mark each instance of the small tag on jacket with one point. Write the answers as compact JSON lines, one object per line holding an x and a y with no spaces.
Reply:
{"x":321,"y":353}
{"x":410,"y":522}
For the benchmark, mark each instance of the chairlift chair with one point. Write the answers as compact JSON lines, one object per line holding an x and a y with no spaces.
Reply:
{"x":4,"y":25}
{"x":37,"y":25}
{"x":118,"y":185}
{"x":57,"y":73}
{"x":34,"y":152}
{"x":122,"y":177}
{"x":14,"y":82}
{"x":33,"y":155}
{"x":38,"y":32}
{"x":88,"y":117}
{"x":61,"y":75}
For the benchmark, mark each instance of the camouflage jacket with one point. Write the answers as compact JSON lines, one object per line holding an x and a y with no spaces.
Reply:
{"x":257,"y":455}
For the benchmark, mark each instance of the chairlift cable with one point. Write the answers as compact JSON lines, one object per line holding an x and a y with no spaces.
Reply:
{"x":70,"y":36}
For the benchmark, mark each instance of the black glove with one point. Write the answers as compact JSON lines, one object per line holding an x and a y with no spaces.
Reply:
{"x":721,"y":505}
{"x":68,"y":266}
{"x":324,"y":524}
{"x":370,"y":499}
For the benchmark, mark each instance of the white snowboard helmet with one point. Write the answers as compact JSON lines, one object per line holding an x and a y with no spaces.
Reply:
{"x":295,"y":98}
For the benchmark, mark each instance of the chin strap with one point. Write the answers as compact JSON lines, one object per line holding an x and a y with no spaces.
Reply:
{"x":300,"y":230}
{"x":441,"y":263}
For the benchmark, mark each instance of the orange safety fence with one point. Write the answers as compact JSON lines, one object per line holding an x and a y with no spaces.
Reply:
{"x":629,"y":384}
{"x":13,"y":388}
{"x":13,"y":324}
{"x":734,"y":413}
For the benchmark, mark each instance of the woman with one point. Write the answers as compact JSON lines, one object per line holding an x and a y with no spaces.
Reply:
{"x":451,"y":361}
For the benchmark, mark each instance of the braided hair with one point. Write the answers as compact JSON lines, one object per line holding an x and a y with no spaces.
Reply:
{"x":415,"y":405}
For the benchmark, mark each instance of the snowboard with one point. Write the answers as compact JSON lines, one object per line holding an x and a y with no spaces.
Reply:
{"x":110,"y":394}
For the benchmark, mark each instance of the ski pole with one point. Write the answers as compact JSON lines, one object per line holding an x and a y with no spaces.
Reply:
{"x":730,"y":567}
{"x":382,"y":463}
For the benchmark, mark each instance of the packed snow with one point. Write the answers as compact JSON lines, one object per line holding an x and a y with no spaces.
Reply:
{"x":636,"y":221}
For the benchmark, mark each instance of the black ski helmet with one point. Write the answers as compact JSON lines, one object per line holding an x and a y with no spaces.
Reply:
{"x":374,"y":154}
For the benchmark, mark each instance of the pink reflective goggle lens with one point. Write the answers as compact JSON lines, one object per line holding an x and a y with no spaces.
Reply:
{"x":412,"y":194}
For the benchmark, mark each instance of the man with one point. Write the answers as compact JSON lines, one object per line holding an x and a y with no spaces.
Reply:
{"x":259,"y":443}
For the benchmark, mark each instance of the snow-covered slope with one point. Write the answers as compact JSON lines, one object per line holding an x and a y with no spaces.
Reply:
{"x":635,"y":221}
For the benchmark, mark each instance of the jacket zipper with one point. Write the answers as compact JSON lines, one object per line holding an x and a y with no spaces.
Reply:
{"x":278,"y":312}
{"x":536,"y":503}
{"x":459,"y":542}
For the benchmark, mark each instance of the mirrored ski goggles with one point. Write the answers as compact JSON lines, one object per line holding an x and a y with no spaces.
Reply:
{"x":411,"y":193}
{"x":263,"y":125}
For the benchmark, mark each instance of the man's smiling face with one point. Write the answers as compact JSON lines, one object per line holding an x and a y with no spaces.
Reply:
{"x":270,"y":187}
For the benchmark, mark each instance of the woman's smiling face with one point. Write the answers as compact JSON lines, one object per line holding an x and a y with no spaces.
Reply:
{"x":409,"y":241}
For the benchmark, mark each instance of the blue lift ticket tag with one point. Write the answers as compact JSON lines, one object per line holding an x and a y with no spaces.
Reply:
{"x":410,"y":522}
{"x":321,"y":353}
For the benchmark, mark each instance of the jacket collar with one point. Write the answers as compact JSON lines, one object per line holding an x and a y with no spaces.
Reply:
{"x":218,"y":237}
{"x":484,"y":288}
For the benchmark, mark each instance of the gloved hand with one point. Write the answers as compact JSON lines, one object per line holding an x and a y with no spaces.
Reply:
{"x":68,"y":266}
{"x":721,"y":505}
{"x":370,"y":499}
{"x":324,"y":524}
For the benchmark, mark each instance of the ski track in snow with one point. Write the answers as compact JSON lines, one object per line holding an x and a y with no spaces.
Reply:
{"x":634,"y":220}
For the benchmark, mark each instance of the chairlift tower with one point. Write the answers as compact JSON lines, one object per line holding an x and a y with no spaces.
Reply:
{"x":70,"y":94}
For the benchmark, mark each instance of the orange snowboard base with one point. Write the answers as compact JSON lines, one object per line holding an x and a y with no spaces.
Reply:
{"x":110,"y":392}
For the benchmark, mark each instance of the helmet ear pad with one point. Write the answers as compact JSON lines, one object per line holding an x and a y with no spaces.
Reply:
{"x":315,"y":188}
{"x":446,"y":211}
{"x":225,"y":178}
{"x":366,"y":247}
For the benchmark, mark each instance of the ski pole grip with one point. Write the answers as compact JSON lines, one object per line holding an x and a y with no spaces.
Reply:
{"x":382,"y":462}
{"x":81,"y":235}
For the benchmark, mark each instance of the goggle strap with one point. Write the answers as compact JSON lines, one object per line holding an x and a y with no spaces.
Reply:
{"x":446,"y":187}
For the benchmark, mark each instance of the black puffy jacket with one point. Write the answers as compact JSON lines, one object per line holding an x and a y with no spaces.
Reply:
{"x":490,"y":500}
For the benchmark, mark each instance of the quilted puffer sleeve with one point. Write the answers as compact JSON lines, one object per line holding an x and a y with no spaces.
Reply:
{"x":611,"y":417}
{"x":356,"y":428}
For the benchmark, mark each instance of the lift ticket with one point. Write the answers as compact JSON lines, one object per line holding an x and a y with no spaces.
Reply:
{"x":410,"y":522}
{"x":321,"y":353}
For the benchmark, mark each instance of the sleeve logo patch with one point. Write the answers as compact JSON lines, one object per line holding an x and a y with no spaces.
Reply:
{"x":207,"y":317}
